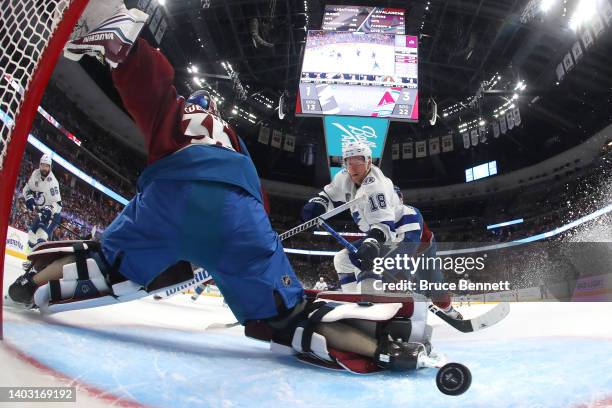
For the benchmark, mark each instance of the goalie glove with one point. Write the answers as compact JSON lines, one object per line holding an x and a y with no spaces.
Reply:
{"x":111,"y":40}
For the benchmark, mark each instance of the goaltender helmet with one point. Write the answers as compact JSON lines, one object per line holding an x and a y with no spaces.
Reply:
{"x":46,"y":159}
{"x":203,"y":99}
{"x":353,"y":149}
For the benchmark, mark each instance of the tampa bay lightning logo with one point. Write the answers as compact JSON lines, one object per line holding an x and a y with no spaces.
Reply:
{"x":356,"y":217}
{"x":39,"y":198}
{"x":368,"y":180}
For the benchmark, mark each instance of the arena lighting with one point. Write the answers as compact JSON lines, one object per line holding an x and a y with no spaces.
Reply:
{"x":584,"y":11}
{"x":545,"y":5}
{"x":505,"y":224}
{"x":533,"y":238}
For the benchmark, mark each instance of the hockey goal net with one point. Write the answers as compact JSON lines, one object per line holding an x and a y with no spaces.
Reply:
{"x":32,"y":35}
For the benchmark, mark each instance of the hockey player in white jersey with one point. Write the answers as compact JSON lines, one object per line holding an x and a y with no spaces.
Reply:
{"x":375,"y":215}
{"x":321,"y":284}
{"x":42,"y":196}
{"x":390,"y":225}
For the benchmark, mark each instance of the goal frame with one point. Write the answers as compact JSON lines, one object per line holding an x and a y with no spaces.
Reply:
{"x":17,"y":138}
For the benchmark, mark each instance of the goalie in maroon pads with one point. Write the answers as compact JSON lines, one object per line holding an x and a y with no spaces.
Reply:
{"x":200,"y":203}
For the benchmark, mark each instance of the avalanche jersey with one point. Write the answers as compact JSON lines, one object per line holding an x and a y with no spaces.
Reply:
{"x":44,"y":191}
{"x":381,"y":207}
{"x":183,"y":141}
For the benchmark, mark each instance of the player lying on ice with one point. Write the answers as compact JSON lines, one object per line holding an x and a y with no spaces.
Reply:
{"x":392,"y":228}
{"x":199,"y":203}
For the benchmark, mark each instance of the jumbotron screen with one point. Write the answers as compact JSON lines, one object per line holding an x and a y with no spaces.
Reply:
{"x":364,"y":19}
{"x":357,"y":74}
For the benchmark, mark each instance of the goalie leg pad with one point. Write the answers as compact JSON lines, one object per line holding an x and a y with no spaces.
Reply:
{"x":86,"y":277}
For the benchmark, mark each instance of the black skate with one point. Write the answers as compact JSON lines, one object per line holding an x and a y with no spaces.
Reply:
{"x":22,"y":290}
{"x":398,"y":355}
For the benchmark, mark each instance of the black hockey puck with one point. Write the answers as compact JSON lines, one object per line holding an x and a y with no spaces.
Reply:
{"x":454,"y":379}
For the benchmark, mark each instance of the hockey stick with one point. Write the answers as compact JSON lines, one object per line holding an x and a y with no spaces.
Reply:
{"x":216,"y":326}
{"x":487,"y":319}
{"x":315,"y":221}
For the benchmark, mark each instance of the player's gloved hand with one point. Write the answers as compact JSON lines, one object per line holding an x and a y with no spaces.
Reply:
{"x":30,"y":203}
{"x":45,"y":215}
{"x":367,"y":252}
{"x":111,"y":39}
{"x":312,"y":209}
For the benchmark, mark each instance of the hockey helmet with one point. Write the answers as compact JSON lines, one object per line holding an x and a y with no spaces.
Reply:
{"x":46,"y":159}
{"x":353,"y":149}
{"x":202,"y":98}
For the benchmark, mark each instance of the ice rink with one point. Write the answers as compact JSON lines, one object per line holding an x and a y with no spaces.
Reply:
{"x":161,"y":354}
{"x":364,"y":59}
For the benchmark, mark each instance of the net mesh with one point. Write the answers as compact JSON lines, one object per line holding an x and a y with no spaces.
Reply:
{"x":25,"y":29}
{"x":32,"y":34}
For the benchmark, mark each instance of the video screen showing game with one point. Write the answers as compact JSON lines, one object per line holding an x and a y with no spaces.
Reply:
{"x":357,"y":74}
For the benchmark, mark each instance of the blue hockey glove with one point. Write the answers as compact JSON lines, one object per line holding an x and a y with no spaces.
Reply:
{"x":313,"y":208}
{"x":367,"y":252}
{"x":30,"y":203}
{"x":45,"y":215}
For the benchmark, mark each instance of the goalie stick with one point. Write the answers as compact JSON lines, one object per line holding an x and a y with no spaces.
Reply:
{"x":487,"y":319}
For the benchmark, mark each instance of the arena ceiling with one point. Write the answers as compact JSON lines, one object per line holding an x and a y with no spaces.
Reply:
{"x":464,"y":45}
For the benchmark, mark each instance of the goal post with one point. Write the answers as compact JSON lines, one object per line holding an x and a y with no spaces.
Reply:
{"x":32,"y":36}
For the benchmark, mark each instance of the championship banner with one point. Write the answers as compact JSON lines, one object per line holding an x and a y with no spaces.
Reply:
{"x":466,"y":140}
{"x":517,"y":116}
{"x":277,"y":138}
{"x":264,"y":135}
{"x":502,"y":124}
{"x":606,"y":12}
{"x":560,"y":71}
{"x":421,"y":149}
{"x":395,"y":151}
{"x":568,"y":62}
{"x":447,"y":143}
{"x":434,"y":145}
{"x":587,"y":38}
{"x":474,"y":137}
{"x":407,"y":150}
{"x":495,"y":129}
{"x":289,"y":144}
{"x":510,"y":120}
{"x":577,"y":51}
{"x":483,"y":133}
{"x":341,"y":130}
